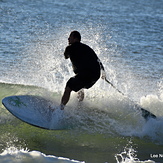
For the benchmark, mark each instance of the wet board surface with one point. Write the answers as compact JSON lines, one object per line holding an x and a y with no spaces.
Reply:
{"x":34,"y":110}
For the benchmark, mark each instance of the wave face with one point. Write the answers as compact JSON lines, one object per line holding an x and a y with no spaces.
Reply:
{"x":106,"y":126}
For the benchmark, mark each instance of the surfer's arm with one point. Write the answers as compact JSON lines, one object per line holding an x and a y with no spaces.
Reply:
{"x":103,"y":73}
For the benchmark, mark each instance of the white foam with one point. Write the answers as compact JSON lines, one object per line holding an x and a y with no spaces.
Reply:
{"x":129,"y":156}
{"x":18,"y":156}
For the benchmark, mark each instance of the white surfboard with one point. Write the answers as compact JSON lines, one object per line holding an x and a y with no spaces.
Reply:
{"x":35,"y":110}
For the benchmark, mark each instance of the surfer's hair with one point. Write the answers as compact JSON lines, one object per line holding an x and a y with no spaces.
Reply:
{"x":76,"y":34}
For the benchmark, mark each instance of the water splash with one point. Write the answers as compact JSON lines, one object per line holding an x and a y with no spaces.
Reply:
{"x":129,"y":156}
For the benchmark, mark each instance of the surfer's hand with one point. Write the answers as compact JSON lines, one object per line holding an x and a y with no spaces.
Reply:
{"x":103,"y":74}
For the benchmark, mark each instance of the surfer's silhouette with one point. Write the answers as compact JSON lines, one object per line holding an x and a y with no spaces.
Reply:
{"x":86,"y":66}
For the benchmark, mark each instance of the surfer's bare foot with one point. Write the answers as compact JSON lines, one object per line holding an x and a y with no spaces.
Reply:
{"x":81,"y":95}
{"x":62,"y":107}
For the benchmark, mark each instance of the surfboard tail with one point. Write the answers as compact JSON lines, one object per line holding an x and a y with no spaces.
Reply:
{"x":147,"y":115}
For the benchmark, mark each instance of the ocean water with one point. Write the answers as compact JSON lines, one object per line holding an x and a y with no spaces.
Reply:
{"x":105,"y":127}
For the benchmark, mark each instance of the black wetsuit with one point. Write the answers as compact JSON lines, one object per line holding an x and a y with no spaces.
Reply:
{"x":86,"y":66}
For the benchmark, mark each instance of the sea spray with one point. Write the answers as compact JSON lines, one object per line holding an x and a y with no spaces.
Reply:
{"x":129,"y":156}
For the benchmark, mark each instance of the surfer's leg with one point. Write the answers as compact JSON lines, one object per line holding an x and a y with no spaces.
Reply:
{"x":65,"y":97}
{"x":81,"y":95}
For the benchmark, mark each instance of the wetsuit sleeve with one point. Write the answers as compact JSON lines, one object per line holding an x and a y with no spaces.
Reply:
{"x":67,"y":52}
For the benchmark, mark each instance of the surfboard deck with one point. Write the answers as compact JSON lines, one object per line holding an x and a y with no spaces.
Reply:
{"x":34,"y":110}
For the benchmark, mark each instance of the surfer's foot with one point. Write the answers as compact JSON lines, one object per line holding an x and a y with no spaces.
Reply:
{"x":80,"y":95}
{"x":62,"y":106}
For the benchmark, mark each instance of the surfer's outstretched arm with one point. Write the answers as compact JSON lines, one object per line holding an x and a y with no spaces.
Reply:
{"x":103,"y":73}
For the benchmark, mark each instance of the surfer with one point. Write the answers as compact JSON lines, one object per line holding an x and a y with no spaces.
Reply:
{"x":86,"y":66}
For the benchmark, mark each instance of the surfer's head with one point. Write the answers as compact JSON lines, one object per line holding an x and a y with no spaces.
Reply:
{"x":74,"y":37}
